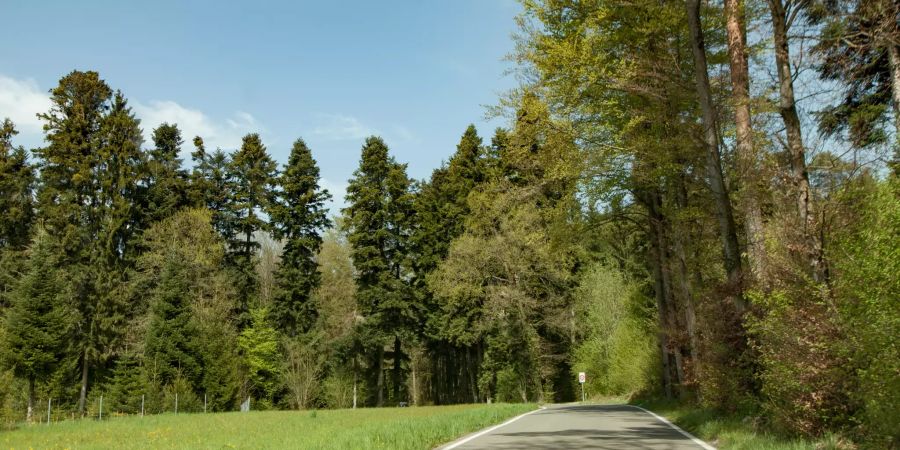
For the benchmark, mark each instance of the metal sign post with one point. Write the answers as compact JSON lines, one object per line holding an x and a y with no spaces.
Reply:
{"x":582,"y":377}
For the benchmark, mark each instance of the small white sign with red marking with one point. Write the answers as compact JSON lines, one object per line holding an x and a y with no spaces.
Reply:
{"x":582,"y":377}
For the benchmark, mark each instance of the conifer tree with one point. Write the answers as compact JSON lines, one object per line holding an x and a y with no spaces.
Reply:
{"x":211,"y":185}
{"x":17,"y":180}
{"x":253,"y":172}
{"x":166,"y":180}
{"x":170,"y":343}
{"x":298,"y":216}
{"x":90,"y":172}
{"x":378,"y":225}
{"x":37,"y":324}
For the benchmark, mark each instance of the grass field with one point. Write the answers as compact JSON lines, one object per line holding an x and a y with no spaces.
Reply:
{"x":388,"y":428}
{"x":734,"y":432}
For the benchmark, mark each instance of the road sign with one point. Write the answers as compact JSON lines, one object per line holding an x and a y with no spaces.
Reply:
{"x":581,"y":377}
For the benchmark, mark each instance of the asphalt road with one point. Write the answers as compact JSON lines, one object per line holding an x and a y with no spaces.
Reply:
{"x":582,"y":427}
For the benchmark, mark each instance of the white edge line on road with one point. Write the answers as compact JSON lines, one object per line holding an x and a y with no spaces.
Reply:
{"x":486,"y":431}
{"x":677,"y":428}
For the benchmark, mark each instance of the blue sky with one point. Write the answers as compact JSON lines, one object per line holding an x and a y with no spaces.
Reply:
{"x":415,"y":72}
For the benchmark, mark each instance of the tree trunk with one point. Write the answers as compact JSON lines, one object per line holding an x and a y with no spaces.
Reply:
{"x":29,"y":416}
{"x":787,"y":107}
{"x":893,"y":51}
{"x":690,"y":318}
{"x":380,"y":382}
{"x":659,"y":288}
{"x":397,"y":361}
{"x":724,"y":213}
{"x":84,"y":382}
{"x":744,"y":148}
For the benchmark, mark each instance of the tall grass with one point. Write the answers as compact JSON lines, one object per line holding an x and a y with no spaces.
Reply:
{"x":388,"y":428}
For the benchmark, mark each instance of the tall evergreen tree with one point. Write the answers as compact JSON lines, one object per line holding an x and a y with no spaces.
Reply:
{"x":253,"y":172}
{"x":377,"y":222}
{"x":165,"y":179}
{"x":298,"y":216}
{"x":17,"y":180}
{"x":38,"y":322}
{"x":211,"y":185}
{"x":89,"y":186}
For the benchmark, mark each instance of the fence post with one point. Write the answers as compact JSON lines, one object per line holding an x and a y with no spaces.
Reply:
{"x":176,"y":403}
{"x":142,"y":405}
{"x":204,"y":403}
{"x":101,"y":406}
{"x":48,"y":410}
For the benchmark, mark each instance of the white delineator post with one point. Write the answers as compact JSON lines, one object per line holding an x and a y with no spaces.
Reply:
{"x":582,"y":377}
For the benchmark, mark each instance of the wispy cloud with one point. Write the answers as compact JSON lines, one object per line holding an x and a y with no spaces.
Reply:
{"x":338,"y":190}
{"x":20,"y":101}
{"x":340,"y":127}
{"x":225,"y":134}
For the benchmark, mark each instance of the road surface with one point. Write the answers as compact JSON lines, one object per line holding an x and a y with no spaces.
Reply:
{"x":582,"y":427}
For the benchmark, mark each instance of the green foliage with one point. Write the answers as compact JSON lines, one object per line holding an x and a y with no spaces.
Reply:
{"x":259,"y":347}
{"x":17,"y":180}
{"x":298,"y":216}
{"x":37,"y":324}
{"x":166,"y":181}
{"x":617,"y":347}
{"x":867,"y":257}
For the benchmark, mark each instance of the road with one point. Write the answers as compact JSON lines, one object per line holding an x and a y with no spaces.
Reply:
{"x":582,"y":427}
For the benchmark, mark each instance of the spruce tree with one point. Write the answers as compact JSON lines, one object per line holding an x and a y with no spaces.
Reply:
{"x":211,"y":185}
{"x":90,"y":172}
{"x":166,"y":180}
{"x":378,"y":222}
{"x":254,"y":173}
{"x":298,"y":216}
{"x":170,"y":343}
{"x":37,"y":324}
{"x":17,"y":180}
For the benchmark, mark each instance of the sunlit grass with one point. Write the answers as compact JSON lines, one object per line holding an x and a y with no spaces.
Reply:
{"x":735,"y":432}
{"x":388,"y":428}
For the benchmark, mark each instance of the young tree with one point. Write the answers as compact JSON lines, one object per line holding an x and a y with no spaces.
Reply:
{"x":259,"y":345}
{"x":38,"y":322}
{"x":298,"y":216}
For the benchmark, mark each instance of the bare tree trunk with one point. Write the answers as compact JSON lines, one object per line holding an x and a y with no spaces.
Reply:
{"x":893,"y":51}
{"x":84,"y":382}
{"x":724,"y":213}
{"x":29,"y":416}
{"x":745,"y":151}
{"x":397,"y":361}
{"x":690,"y":318}
{"x":659,"y":288}
{"x":380,"y":386}
{"x":787,"y":106}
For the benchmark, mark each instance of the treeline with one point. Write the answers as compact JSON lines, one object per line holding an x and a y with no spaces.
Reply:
{"x":740,"y":168}
{"x":129,"y":276}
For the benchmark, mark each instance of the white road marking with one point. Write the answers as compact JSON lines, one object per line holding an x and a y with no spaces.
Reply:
{"x":677,"y":428}
{"x":484,"y":432}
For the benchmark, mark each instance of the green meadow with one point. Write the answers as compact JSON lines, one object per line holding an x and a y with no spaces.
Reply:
{"x":389,"y":428}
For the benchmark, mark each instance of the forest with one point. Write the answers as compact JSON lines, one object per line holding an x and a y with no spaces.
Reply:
{"x":694,"y":201}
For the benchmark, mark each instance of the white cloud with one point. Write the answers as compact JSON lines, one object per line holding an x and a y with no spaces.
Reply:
{"x":20,"y":101}
{"x":338,"y":127}
{"x":338,"y":191}
{"x":193,"y":122}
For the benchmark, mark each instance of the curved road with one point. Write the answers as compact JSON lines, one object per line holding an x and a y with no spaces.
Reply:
{"x":583,"y":427}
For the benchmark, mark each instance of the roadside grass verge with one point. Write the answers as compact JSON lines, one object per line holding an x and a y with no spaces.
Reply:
{"x":735,"y":432}
{"x":389,"y":428}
